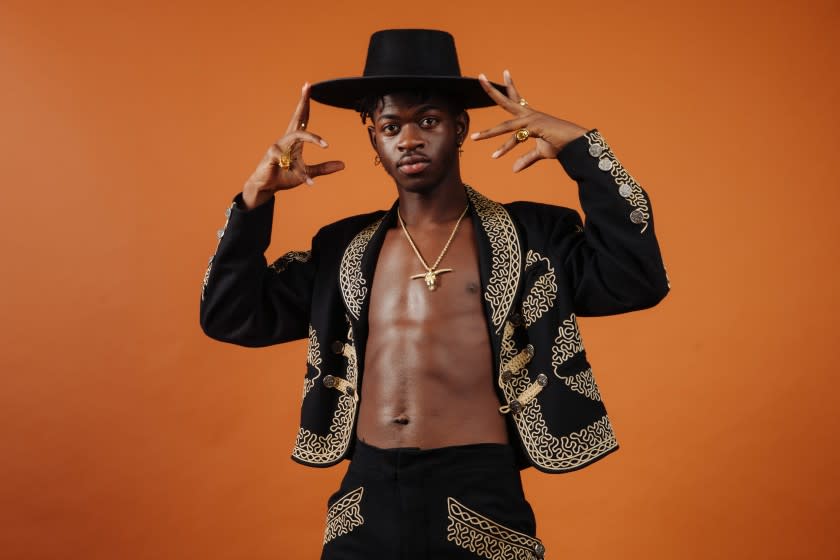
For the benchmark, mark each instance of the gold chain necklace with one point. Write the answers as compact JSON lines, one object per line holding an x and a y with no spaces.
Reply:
{"x":430,"y":276}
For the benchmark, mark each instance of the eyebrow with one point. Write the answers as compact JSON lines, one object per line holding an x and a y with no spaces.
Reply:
{"x":420,"y":109}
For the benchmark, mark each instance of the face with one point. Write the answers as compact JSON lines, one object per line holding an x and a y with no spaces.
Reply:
{"x":418,"y":142}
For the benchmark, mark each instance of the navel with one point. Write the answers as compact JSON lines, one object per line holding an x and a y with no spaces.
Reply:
{"x":402,"y":420}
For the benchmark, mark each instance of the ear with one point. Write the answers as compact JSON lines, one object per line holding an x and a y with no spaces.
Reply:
{"x":462,"y":126}
{"x":372,"y":137}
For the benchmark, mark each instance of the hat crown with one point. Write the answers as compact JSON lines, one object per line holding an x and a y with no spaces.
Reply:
{"x":412,"y":52}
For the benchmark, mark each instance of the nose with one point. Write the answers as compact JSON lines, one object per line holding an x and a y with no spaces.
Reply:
{"x":410,"y":138}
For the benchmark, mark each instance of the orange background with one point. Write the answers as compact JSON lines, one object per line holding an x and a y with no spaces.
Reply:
{"x":126,"y":129}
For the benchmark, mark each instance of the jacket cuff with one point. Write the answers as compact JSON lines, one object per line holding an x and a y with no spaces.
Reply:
{"x":252,"y":226}
{"x":590,"y":161}
{"x":575,"y":156}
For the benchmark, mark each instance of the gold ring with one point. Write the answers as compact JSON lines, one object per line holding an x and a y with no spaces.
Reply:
{"x":522,"y":102}
{"x":522,"y":134}
{"x":285,"y":160}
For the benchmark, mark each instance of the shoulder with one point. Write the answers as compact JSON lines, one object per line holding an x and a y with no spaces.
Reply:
{"x":543,"y":217}
{"x":349,"y":227}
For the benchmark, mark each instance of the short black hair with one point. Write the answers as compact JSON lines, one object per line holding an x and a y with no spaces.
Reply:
{"x":371,"y":102}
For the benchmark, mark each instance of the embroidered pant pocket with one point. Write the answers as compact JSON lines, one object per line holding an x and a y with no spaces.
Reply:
{"x":344,"y":515}
{"x":486,"y":538}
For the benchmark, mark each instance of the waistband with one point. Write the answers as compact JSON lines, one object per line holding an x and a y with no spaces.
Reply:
{"x":439,"y":461}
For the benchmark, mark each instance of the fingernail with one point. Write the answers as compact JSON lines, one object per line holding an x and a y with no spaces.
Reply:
{"x":495,"y":154}
{"x":309,"y":181}
{"x":482,"y":77}
{"x":475,"y":135}
{"x":507,"y":75}
{"x":324,"y":143}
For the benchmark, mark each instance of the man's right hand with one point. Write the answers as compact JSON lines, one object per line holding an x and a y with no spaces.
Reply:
{"x":269,"y":177}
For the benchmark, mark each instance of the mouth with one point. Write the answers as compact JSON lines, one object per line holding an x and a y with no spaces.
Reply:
{"x":412,"y":165}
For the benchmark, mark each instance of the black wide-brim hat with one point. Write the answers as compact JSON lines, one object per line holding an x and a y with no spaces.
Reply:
{"x":406,"y":59}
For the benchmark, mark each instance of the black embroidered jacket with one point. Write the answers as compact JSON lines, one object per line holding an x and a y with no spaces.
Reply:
{"x":540,"y":267}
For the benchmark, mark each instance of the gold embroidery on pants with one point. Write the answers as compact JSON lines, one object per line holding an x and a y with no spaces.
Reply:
{"x":344,"y":515}
{"x":478,"y":534}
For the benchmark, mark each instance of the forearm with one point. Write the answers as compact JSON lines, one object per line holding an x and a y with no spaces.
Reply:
{"x":616,"y":262}
{"x":244,"y":301}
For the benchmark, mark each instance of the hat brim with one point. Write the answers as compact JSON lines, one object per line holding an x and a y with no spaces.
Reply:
{"x":348,"y":93}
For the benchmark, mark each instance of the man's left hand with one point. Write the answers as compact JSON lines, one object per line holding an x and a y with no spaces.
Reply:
{"x":550,"y":133}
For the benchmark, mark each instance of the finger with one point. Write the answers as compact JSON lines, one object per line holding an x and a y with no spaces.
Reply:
{"x":509,"y":144}
{"x":304,"y":117}
{"x":501,"y":99}
{"x":301,"y":110}
{"x":289,"y":141}
{"x":324,"y":168}
{"x":527,"y":160}
{"x":507,"y":126}
{"x":512,"y":92}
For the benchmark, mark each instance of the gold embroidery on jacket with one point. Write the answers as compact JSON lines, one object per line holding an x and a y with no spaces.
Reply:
{"x":583,"y":383}
{"x":317,"y":449}
{"x":567,"y":343}
{"x":506,"y":257}
{"x":545,"y":449}
{"x":353,"y":285}
{"x":480,"y":535}
{"x":283,"y":262}
{"x":219,"y":236}
{"x":313,"y":358}
{"x":542,"y":294}
{"x":206,"y":276}
{"x":344,"y":515}
{"x":628,"y":188}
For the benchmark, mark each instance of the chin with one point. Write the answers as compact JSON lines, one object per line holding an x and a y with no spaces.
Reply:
{"x":416,"y":184}
{"x":425,"y":183}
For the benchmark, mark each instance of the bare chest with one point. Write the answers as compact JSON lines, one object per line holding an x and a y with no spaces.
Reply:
{"x":405,"y":293}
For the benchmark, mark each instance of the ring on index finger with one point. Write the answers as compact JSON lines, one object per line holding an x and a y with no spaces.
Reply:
{"x":522,"y":102}
{"x":522,"y":134}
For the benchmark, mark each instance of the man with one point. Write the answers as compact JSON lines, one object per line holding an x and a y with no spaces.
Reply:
{"x":458,"y":312}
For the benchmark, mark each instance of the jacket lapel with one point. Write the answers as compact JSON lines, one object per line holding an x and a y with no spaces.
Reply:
{"x":499,"y":257}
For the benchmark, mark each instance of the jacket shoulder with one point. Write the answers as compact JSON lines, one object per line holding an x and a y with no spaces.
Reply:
{"x":544,"y":218}
{"x":349,"y":226}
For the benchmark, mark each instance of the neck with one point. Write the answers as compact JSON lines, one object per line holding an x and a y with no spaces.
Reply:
{"x":441,"y":204}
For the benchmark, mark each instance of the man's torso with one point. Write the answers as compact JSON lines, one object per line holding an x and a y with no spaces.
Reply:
{"x":428,"y":371}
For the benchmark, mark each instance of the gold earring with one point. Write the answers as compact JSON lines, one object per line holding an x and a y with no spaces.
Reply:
{"x":376,"y":160}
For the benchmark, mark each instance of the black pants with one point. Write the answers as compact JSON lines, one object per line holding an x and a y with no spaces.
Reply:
{"x":461,"y":502}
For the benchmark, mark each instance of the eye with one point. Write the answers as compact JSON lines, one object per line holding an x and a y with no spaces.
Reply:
{"x":428,"y":122}
{"x":390,"y":129}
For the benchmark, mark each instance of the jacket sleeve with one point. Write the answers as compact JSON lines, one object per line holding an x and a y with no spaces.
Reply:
{"x":247,"y":302}
{"x":613,"y":261}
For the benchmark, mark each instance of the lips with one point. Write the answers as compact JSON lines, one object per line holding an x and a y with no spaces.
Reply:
{"x":411,"y":165}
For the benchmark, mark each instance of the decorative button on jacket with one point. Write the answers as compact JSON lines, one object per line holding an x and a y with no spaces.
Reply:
{"x":540,"y":268}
